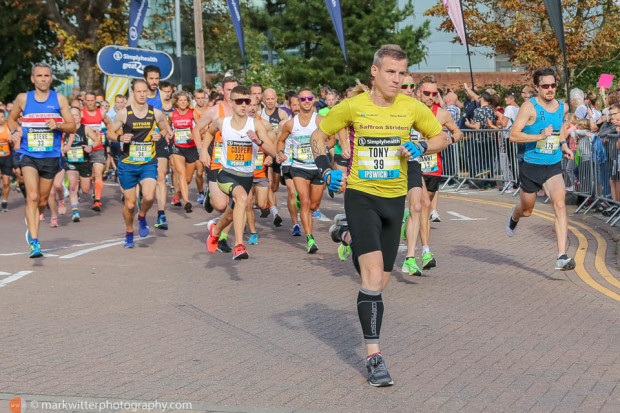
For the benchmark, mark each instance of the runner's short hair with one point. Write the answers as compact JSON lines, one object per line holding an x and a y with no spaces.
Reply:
{"x":229,"y":79}
{"x":240,"y":90}
{"x":304,"y":89}
{"x":391,"y":50}
{"x":427,"y":79}
{"x":151,"y":69}
{"x":540,"y":73}
{"x":40,"y":64}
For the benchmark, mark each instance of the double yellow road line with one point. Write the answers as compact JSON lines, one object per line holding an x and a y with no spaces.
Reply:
{"x":576,"y":228}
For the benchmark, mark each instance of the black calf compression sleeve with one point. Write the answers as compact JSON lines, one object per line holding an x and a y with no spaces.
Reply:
{"x":370,"y":311}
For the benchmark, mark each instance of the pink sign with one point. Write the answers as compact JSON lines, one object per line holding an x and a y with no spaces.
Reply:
{"x":605,"y":81}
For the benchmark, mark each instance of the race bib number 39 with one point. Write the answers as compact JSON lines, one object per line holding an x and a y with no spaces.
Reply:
{"x":378,"y":158}
{"x":40,"y":140}
{"x":239,"y":153}
{"x":549,"y":145}
{"x":140,"y":151}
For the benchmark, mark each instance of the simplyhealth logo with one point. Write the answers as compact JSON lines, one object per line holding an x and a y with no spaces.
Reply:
{"x":15,"y":405}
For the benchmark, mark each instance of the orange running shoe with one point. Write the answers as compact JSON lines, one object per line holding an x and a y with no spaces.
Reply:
{"x":212,"y":239}
{"x":240,"y":252}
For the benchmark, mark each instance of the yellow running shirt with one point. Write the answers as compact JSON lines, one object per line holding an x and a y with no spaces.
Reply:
{"x":377,"y":167}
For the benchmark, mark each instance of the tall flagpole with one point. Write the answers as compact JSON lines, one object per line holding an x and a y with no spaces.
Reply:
{"x":471,"y":73}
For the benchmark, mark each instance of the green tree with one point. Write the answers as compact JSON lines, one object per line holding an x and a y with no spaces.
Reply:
{"x":302,"y":34}
{"x":26,"y":38}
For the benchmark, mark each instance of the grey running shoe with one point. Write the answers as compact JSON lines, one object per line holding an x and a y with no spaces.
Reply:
{"x":510,"y":228}
{"x":564,"y":263}
{"x":336,"y":230}
{"x":378,"y":375}
{"x":222,"y":246}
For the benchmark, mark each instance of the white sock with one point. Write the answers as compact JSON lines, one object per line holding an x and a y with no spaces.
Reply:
{"x":273,"y":209}
{"x":425,"y":249}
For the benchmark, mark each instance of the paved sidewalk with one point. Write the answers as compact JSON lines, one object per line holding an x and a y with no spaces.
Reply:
{"x":493,"y":328}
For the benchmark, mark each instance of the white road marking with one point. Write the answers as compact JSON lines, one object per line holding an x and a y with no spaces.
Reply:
{"x":45,"y":251}
{"x":460,"y":217}
{"x":4,"y":273}
{"x":200,"y":224}
{"x":13,"y":277}
{"x":99,"y":247}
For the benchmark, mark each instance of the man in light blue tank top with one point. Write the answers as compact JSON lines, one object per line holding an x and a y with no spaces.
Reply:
{"x":45,"y":116}
{"x":540,"y":126}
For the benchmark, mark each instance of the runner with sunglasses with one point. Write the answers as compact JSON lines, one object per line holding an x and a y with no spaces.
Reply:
{"x":306,"y":178}
{"x":422,"y":191}
{"x":407,"y":88}
{"x":376,"y":185}
{"x":540,"y":126}
{"x":242,"y":136}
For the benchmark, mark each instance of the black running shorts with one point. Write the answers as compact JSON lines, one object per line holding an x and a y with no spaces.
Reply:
{"x":228,"y":181}
{"x":85,"y":169}
{"x":432,"y":182}
{"x":47,"y":167}
{"x":311,"y":175}
{"x":190,"y":154}
{"x":162,"y":148}
{"x":533,"y":176}
{"x":6,"y":165}
{"x":276,"y":167}
{"x":286,"y":172}
{"x":414,"y":175}
{"x":374,"y":224}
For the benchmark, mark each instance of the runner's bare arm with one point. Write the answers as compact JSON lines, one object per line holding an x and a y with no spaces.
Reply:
{"x":527,"y":116}
{"x":65,"y":148}
{"x":285,"y":131}
{"x":270,"y":132}
{"x":209,"y":116}
{"x":262,"y":139}
{"x":117,"y":125}
{"x":94,"y":136}
{"x":18,"y":107}
{"x":162,"y":123}
{"x":317,"y":143}
{"x":68,"y":125}
{"x":209,"y":134}
{"x":447,"y":122}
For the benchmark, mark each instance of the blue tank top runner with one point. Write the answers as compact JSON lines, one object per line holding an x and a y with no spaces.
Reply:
{"x":155,"y":101}
{"x":544,"y":151}
{"x":39,"y":141}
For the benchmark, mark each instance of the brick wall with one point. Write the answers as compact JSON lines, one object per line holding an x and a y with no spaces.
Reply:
{"x":456,"y":80}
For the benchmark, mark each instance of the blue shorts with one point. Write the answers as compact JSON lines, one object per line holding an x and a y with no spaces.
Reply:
{"x":130,"y":175}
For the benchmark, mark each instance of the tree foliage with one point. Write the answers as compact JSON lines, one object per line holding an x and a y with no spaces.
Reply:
{"x":26,"y":38}
{"x":522,"y":31}
{"x":302,"y":34}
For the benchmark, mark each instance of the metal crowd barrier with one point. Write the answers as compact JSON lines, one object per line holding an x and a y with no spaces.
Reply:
{"x":482,"y":155}
{"x":487,"y":155}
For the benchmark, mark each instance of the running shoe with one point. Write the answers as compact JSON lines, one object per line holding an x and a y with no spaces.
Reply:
{"x":222,"y":246}
{"x":403,"y":227}
{"x":75,"y":217}
{"x":161,"y":222}
{"x":277,"y":220}
{"x":240,"y":253}
{"x":296,"y":231}
{"x":42,"y":217}
{"x":435,"y":216}
{"x":344,"y":251}
{"x":128,"y":240}
{"x":378,"y":375}
{"x":339,"y":226}
{"x":62,"y":207}
{"x":253,"y":239}
{"x":175,"y":201}
{"x":511,"y":226}
{"x":35,"y":249}
{"x":264,"y":213}
{"x":96,"y":206}
{"x":428,"y":260}
{"x":212,"y":240}
{"x":188,"y":207}
{"x":143,"y":227}
{"x":53,"y":222}
{"x":201,"y":198}
{"x":330,"y":193}
{"x":411,"y":266}
{"x":5,"y":206}
{"x":312,"y":247}
{"x":207,"y":202}
{"x":317,"y":214}
{"x":564,"y":263}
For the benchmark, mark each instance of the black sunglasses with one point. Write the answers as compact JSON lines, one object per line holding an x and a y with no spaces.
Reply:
{"x":241,"y":101}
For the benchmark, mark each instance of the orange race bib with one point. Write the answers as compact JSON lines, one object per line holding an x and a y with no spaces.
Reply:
{"x":239,"y":153}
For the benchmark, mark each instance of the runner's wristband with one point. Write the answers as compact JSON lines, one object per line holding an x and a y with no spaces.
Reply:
{"x":562,"y":143}
{"x":322,"y":162}
{"x":424,"y":145}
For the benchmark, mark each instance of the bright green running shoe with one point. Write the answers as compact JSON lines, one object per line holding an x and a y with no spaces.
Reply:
{"x":428,"y":260}
{"x":411,"y":266}
{"x":312,"y":247}
{"x":403,"y":228}
{"x":344,"y":251}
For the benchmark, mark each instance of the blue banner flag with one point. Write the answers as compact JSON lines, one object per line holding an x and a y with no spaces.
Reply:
{"x":333,"y":6}
{"x":136,"y":19}
{"x":235,"y":15}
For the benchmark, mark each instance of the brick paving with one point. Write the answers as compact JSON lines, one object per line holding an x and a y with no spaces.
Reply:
{"x":492,"y":328}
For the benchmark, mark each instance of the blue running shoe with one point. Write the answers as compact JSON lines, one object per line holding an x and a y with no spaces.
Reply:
{"x":317,"y":214}
{"x":128,"y":240}
{"x":28,"y":239}
{"x":296,"y":231}
{"x":35,"y":249}
{"x":161,"y":222}
{"x":144,"y":227}
{"x":253,"y":239}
